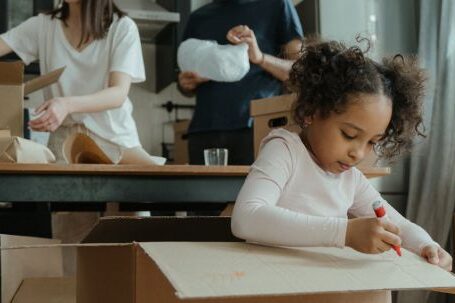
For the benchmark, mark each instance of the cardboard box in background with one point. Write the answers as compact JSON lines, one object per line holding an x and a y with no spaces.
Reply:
{"x":276,"y":112}
{"x":131,"y":260}
{"x":271,"y":113}
{"x":181,"y":142}
{"x":12,"y":92}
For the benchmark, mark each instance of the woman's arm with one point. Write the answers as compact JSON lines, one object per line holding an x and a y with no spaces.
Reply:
{"x":55,"y":110}
{"x":4,"y":48}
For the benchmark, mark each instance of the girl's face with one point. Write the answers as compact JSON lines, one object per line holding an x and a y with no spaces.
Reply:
{"x":341,"y":141}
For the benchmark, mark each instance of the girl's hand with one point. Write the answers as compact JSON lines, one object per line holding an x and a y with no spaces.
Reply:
{"x":189,"y":81}
{"x":242,"y":33}
{"x":54,"y":111}
{"x":371,"y":235}
{"x":437,"y":256}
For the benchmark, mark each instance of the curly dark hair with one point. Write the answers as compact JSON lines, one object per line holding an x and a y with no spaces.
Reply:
{"x":328,"y":73}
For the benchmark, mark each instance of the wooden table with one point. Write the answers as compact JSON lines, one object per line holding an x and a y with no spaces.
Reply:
{"x":125,"y":183}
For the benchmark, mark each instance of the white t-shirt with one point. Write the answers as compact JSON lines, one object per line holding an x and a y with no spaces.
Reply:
{"x":288,"y":200}
{"x":86,"y":72}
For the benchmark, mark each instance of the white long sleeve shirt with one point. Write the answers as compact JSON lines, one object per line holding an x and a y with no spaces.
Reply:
{"x":288,"y":200}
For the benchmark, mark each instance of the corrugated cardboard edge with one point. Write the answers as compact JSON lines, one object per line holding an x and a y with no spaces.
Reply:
{"x":42,"y":81}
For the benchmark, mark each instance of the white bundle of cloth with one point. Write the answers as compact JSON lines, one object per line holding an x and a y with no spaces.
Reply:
{"x":222,"y":63}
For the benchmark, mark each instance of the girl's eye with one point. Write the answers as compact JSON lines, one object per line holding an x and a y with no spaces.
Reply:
{"x":347,"y":136}
{"x":372,"y":143}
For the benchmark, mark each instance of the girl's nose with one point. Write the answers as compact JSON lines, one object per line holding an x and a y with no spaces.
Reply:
{"x":357,"y":153}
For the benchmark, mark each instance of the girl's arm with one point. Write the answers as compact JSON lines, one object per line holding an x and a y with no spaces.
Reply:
{"x":258,"y":218}
{"x":4,"y":48}
{"x":413,"y":236}
{"x":55,"y":110}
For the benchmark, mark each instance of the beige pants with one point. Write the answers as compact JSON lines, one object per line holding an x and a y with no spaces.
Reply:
{"x":72,"y":227}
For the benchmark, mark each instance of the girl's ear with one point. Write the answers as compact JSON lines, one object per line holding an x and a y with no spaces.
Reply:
{"x":307,"y":121}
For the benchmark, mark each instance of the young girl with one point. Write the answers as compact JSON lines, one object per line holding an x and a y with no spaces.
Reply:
{"x":101,"y":50}
{"x":302,"y":186}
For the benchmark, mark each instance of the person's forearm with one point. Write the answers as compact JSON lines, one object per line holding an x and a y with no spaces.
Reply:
{"x":105,"y":99}
{"x":278,"y":67}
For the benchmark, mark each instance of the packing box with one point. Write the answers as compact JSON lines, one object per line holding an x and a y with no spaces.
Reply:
{"x":270,"y":113}
{"x":198,"y":260}
{"x":12,"y":92}
{"x":276,"y":112}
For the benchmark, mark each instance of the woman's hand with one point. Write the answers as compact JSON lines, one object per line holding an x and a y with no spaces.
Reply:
{"x":371,"y":235}
{"x":189,"y":81}
{"x":437,"y":256}
{"x":54,"y":111}
{"x":242,"y":33}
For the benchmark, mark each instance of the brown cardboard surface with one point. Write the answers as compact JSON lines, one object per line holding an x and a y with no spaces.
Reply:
{"x":148,"y":273}
{"x":11,"y":109}
{"x":11,"y":73}
{"x":154,"y":229}
{"x":42,"y":81}
{"x":214,"y":270}
{"x":181,"y":142}
{"x":106,"y":274}
{"x":47,"y":290}
{"x":270,"y":113}
{"x":27,"y":263}
{"x":239,"y":272}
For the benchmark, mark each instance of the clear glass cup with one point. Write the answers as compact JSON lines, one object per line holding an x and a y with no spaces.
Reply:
{"x":215,"y":156}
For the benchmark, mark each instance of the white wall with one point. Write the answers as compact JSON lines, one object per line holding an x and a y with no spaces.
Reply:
{"x":391,"y":24}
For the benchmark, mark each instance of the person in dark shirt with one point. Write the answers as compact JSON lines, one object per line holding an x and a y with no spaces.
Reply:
{"x":273,"y":32}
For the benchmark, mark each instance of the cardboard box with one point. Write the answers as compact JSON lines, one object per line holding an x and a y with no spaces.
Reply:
{"x":231,"y":271}
{"x":270,"y":113}
{"x":132,"y":260}
{"x":181,"y":142}
{"x":12,"y":92}
{"x":276,"y":112}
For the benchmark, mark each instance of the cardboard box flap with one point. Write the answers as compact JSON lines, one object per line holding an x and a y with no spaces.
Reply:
{"x":271,"y":105}
{"x":42,"y":81}
{"x":11,"y":73}
{"x":212,"y":270}
{"x":130,"y":229}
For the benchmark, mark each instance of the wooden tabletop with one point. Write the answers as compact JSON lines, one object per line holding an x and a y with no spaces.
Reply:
{"x":165,"y":170}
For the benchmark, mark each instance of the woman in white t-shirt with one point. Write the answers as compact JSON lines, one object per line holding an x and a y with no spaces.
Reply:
{"x":101,"y":50}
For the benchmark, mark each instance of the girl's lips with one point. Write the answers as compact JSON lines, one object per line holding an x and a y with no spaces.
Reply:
{"x":344,"y":166}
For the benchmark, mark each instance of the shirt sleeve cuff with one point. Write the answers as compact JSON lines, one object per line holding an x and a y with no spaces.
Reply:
{"x":340,"y":240}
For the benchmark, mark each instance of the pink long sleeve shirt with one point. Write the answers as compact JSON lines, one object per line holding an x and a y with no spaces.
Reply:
{"x":288,"y":200}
